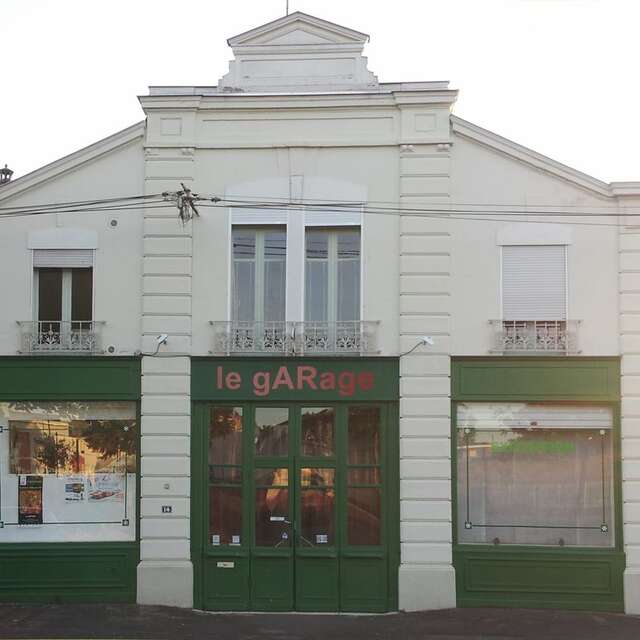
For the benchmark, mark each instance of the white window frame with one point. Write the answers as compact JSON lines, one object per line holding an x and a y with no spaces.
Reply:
{"x":66,"y":290}
{"x":332,"y":269}
{"x":259,"y":259}
{"x":295,"y":222}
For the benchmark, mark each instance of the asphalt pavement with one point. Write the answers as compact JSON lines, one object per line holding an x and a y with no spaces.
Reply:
{"x":131,"y":622}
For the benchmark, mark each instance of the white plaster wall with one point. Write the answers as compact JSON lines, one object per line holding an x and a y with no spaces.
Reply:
{"x":483,"y":176}
{"x":220,"y":171}
{"x":117,"y":267}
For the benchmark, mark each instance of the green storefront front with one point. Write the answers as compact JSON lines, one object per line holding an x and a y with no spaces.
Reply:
{"x":295,"y":484}
{"x":537,"y":482}
{"x":69,"y":443}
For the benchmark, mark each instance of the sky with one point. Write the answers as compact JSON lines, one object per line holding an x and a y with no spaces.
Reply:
{"x":558,"y":76}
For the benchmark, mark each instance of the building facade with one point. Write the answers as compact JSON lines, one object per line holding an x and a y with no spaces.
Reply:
{"x":378,"y":368}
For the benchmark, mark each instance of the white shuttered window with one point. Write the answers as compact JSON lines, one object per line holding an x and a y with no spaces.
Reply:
{"x":534,"y":282}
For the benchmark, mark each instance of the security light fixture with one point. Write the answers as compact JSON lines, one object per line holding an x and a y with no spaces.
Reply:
{"x":162,"y":339}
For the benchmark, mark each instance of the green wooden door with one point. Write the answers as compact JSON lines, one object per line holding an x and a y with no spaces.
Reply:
{"x":299,"y":507}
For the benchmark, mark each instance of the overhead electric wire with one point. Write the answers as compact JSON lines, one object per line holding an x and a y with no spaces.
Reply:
{"x":425,"y":214}
{"x":356,"y":204}
{"x":157,"y":204}
{"x":337,"y":207}
{"x":53,"y":205}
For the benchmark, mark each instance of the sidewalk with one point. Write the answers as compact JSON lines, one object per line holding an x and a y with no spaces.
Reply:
{"x":160,"y":623}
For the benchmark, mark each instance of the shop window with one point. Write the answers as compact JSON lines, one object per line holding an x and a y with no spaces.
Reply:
{"x":364,"y":488}
{"x":332,"y":275}
{"x":535,"y":474}
{"x":67,"y":471}
{"x":259,"y":274}
{"x":225,"y":476}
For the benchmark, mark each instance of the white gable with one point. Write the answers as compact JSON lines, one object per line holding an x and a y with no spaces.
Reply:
{"x":298,"y":53}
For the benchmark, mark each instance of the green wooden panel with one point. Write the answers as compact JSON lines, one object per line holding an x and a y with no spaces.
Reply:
{"x":69,"y":378}
{"x":226,"y":586}
{"x":364,"y":584}
{"x":272,"y":583}
{"x":537,"y":577}
{"x":317,"y":584}
{"x":68,"y":572}
{"x":523,"y":379}
{"x":295,"y":379}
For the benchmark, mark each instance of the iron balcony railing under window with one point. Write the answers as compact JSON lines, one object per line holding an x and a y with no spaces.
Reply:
{"x":295,"y":338}
{"x":55,"y":336}
{"x":536,"y":336}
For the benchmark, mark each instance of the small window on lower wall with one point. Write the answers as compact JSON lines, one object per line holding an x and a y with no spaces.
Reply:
{"x":535,"y":474}
{"x":68,"y":471}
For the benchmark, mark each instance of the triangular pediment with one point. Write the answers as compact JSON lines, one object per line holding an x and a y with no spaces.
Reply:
{"x":298,"y":29}
{"x":298,"y":52}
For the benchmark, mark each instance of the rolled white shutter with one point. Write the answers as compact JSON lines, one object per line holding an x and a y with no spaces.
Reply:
{"x":534,"y":283}
{"x":517,"y":415}
{"x":63,"y":258}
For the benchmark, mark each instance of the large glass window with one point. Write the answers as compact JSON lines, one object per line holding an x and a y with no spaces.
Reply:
{"x":259,"y":274}
{"x":332,"y":275}
{"x":225,"y":475}
{"x":71,"y":464}
{"x":539,"y":474}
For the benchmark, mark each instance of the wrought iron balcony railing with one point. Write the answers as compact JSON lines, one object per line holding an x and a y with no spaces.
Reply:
{"x":55,"y":336}
{"x":536,"y":336}
{"x":295,"y":338}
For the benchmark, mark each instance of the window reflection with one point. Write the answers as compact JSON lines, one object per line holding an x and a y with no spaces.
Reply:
{"x":272,"y":507}
{"x":317,"y":438}
{"x":363,"y":516}
{"x":225,"y":435}
{"x":364,"y":435}
{"x":271,"y":434}
{"x":317,"y":506}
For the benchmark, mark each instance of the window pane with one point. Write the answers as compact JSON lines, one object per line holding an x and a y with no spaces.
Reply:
{"x":244,"y":243}
{"x":244,"y":284}
{"x":225,"y":515}
{"x":69,"y":447}
{"x":317,"y":244}
{"x":81,"y":295}
{"x":349,"y":245}
{"x":349,"y":290}
{"x":272,"y":517}
{"x":50,"y":295}
{"x":364,"y":435}
{"x":272,"y":477}
{"x":536,"y":486}
{"x":363,"y":516}
{"x":317,"y":506}
{"x":316,"y":291}
{"x":225,"y":475}
{"x":274,"y":290}
{"x":368,"y":475}
{"x":275,"y":245}
{"x":317,"y":431}
{"x":271,"y":434}
{"x":225,"y":435}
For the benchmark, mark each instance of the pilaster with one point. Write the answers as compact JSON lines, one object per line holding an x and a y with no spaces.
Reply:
{"x":165,"y":573}
{"x":629,"y":287}
{"x":427,"y":578}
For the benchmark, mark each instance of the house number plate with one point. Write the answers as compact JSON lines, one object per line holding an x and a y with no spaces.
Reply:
{"x":226,"y":565}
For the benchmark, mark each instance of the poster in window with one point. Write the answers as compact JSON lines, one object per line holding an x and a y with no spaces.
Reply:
{"x":74,"y":489}
{"x":30,"y":500}
{"x":106,"y":487}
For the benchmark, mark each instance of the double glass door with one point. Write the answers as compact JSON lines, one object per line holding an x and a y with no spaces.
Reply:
{"x":297,"y":507}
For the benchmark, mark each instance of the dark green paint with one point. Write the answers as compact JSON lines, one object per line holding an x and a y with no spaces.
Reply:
{"x":528,"y":379}
{"x":70,"y":571}
{"x":538,"y":576}
{"x":338,"y":578}
{"x":69,"y":378}
{"x":204,"y":379}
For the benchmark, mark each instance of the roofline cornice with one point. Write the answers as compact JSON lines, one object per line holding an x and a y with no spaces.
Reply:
{"x":530,"y":157}
{"x":73,"y":160}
